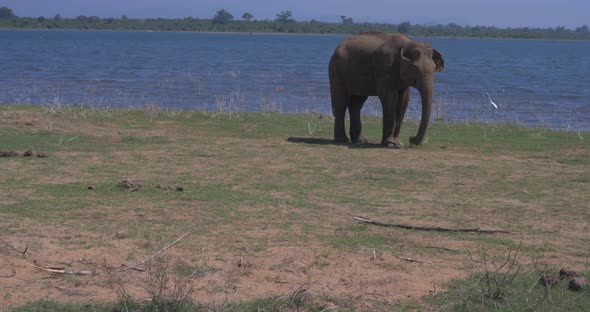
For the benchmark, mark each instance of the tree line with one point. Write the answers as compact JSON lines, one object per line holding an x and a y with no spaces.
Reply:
{"x":224,"y":21}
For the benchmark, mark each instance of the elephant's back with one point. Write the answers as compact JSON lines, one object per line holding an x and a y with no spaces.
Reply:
{"x":360,"y":45}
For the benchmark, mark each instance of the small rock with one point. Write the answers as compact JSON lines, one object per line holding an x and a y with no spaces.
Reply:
{"x":567,"y":273}
{"x":242,"y":263}
{"x":179,"y":188}
{"x":90,"y":187}
{"x":578,"y":283}
{"x":41,"y":155}
{"x":158,"y":186}
{"x":7,"y":153}
{"x":128,"y":184}
{"x":28,"y":153}
{"x":549,"y":280}
{"x":125,"y":184}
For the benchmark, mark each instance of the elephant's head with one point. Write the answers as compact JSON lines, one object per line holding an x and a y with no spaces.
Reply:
{"x":418,"y":62}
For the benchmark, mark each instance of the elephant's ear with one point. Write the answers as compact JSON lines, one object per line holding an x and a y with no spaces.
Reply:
{"x":409,"y":54}
{"x":438,"y":60}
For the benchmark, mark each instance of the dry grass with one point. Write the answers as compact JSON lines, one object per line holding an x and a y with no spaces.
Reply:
{"x":282,"y":206}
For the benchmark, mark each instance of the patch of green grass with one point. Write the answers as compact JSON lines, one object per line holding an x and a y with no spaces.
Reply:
{"x":359,"y":236}
{"x":132,"y":140}
{"x":54,"y":306}
{"x":285,"y":303}
{"x":575,"y":161}
{"x":271,"y":304}
{"x":500,"y":138}
{"x":199,"y":271}
{"x":525,"y":293}
{"x":47,"y":142}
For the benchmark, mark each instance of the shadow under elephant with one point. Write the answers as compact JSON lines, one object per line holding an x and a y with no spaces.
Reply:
{"x":323,"y":141}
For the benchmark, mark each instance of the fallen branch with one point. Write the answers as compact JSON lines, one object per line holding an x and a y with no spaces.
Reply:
{"x":411,"y":259}
{"x":66,"y":272}
{"x":134,"y":269}
{"x":157,"y":253}
{"x":440,"y":248}
{"x":430,"y":228}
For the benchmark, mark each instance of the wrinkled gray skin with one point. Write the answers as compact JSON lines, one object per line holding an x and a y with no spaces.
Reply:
{"x":384,"y":65}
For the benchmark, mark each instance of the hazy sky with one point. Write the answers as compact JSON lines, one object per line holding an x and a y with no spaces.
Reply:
{"x":501,"y":13}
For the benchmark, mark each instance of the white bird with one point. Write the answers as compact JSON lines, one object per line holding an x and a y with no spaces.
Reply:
{"x":492,"y":102}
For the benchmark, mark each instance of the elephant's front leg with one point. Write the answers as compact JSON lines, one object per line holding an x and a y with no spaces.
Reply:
{"x":388,"y":102}
{"x":401,"y":107}
{"x":356,"y":127}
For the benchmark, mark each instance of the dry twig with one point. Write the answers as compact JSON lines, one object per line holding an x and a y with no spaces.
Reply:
{"x":440,"y":248}
{"x":411,"y":259}
{"x":66,"y":272}
{"x":430,"y":228}
{"x":157,"y":253}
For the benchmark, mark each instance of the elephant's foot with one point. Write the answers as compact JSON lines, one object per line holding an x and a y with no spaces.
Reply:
{"x":360,"y":140}
{"x":392,"y":143}
{"x":415,"y":140}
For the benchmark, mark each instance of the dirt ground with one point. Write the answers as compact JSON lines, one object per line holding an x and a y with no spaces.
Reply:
{"x":221,"y":264}
{"x":362,"y":279}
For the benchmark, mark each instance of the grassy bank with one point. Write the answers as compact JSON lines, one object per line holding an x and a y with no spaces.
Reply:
{"x":268,"y":202}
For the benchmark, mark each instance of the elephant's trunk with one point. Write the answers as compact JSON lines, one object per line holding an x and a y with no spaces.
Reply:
{"x":426,"y":95}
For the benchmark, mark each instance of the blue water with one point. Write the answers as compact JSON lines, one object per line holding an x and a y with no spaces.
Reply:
{"x":534,"y":82}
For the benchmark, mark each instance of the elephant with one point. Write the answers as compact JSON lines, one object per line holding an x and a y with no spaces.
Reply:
{"x":384,"y":65}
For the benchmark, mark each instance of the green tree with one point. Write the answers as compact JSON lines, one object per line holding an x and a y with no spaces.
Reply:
{"x":346,"y":20}
{"x":6,"y":13}
{"x":222,"y":17}
{"x":247,"y":16}
{"x":404,"y":27}
{"x":583,"y":29}
{"x":284,"y":17}
{"x":57,"y":17}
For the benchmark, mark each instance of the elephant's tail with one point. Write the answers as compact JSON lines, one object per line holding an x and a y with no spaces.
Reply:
{"x":333,"y":110}
{"x":332,"y":78}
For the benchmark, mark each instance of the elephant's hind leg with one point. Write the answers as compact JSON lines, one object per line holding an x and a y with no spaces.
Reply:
{"x":388,"y":102}
{"x":356,"y":127}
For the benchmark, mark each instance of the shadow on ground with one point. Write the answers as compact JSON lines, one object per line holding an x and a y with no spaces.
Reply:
{"x":322,"y":141}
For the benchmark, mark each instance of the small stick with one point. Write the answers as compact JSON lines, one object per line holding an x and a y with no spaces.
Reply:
{"x":157,"y":253}
{"x":429,"y":228}
{"x":134,"y":269}
{"x":411,"y":259}
{"x":435,"y":247}
{"x":433,"y":292}
{"x":67,"y":272}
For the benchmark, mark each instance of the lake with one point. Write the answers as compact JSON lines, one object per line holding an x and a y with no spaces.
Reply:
{"x":534,"y":82}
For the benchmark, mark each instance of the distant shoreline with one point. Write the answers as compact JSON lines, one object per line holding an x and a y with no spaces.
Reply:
{"x":283,"y":34}
{"x":287,"y":25}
